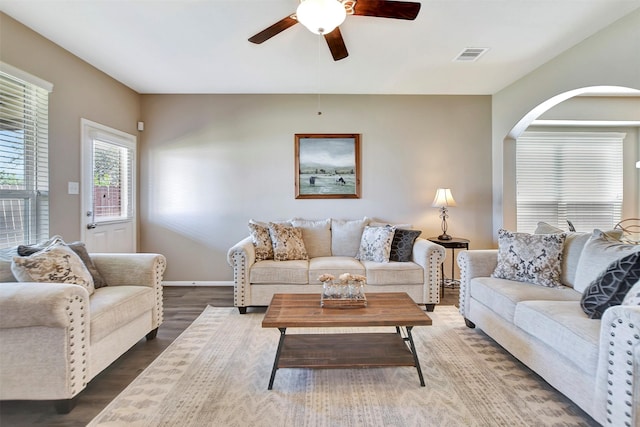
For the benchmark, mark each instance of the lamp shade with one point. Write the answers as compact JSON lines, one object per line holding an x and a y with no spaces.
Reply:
{"x":321,"y":16}
{"x":443,"y":198}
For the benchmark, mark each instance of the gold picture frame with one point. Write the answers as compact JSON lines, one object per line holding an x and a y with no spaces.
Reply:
{"x":327,"y":166}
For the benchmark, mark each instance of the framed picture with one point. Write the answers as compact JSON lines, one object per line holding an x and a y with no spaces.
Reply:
{"x":327,"y":166}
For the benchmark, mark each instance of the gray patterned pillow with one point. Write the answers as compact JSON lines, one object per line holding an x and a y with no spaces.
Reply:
{"x":56,"y":264}
{"x":531,"y":258}
{"x":402,"y":244}
{"x":287,"y":242}
{"x":375,"y":244}
{"x":611,"y":287}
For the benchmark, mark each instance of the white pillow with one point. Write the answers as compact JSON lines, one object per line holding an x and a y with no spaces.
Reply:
{"x":598,"y":253}
{"x":316,"y":236}
{"x":375,"y":244}
{"x":346,"y":236}
{"x":633,"y":296}
{"x":56,"y":264}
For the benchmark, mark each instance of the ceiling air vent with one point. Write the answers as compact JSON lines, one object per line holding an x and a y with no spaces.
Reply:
{"x":470,"y":54}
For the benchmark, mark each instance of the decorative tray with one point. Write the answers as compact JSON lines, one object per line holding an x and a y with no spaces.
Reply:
{"x":343,"y":302}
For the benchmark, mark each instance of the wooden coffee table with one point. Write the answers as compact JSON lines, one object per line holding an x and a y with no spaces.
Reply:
{"x":345,"y":350}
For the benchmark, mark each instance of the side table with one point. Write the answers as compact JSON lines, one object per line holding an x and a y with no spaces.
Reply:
{"x":453,"y":244}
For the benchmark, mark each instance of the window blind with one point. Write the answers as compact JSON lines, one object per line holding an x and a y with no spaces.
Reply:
{"x":24,"y":159}
{"x":575,"y":176}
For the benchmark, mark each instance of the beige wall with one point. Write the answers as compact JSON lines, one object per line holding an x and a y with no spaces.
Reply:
{"x":80,"y":90}
{"x":611,"y":57}
{"x":211,"y":162}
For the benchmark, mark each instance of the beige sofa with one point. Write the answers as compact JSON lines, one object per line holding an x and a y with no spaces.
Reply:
{"x":332,"y":246}
{"x":594,"y":362}
{"x":55,"y":337}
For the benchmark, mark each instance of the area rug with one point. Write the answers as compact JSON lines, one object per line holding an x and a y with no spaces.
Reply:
{"x":217,"y":371}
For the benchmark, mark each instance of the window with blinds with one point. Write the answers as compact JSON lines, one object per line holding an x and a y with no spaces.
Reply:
{"x":24,"y":158}
{"x":575,"y":176}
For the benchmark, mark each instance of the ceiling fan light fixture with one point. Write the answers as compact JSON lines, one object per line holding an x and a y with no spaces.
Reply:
{"x":321,"y":16}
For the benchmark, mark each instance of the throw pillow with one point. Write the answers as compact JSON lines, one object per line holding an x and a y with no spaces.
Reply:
{"x":346,"y":236}
{"x":57,"y":264}
{"x":287,"y":242}
{"x":531,"y":258}
{"x":261,"y":240}
{"x":598,"y":253}
{"x":375,"y":244}
{"x":545,"y":228}
{"x":316,"y":236}
{"x":402,"y":244}
{"x":611,"y":286}
{"x":633,"y":296}
{"x":78,"y":247}
{"x":81,"y":250}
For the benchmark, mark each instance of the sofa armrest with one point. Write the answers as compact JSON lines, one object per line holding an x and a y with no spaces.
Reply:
{"x":44,"y":333}
{"x":134,"y":269}
{"x":430,"y":257}
{"x":618,"y":377}
{"x":475,"y":263}
{"x":241,"y":257}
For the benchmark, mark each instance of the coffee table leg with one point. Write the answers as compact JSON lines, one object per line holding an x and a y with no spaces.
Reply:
{"x":275,"y":362}
{"x":415,"y":354}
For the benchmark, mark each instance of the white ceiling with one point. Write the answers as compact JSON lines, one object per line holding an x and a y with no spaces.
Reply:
{"x":200,"y":46}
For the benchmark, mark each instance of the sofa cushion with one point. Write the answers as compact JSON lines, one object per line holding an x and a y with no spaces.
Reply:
{"x":270,"y":271}
{"x":112,"y":307}
{"x":402,"y":244}
{"x":598,"y":253}
{"x":287,"y":242}
{"x":316,"y":236}
{"x":564,"y":327}
{"x":56,"y":264}
{"x":503,"y":295}
{"x":346,"y":236}
{"x":611,"y":287}
{"x":335,"y":265}
{"x":393,"y":273}
{"x":531,"y":258}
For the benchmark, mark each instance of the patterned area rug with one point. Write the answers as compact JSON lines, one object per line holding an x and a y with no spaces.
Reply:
{"x":216,"y":374}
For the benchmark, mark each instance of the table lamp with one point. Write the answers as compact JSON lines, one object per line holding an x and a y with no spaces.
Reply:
{"x":443,"y":200}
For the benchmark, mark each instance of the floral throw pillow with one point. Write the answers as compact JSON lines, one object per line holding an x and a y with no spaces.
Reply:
{"x":261,"y":240}
{"x":56,"y":264}
{"x":531,"y":258}
{"x":375,"y":244}
{"x":287,"y":242}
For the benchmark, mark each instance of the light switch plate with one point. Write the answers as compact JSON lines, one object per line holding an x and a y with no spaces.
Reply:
{"x":73,"y":187}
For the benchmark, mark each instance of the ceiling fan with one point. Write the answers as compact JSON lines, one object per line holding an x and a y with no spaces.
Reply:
{"x":323,"y":17}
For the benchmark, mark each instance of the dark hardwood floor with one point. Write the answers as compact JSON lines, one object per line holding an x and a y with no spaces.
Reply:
{"x":182,"y":305}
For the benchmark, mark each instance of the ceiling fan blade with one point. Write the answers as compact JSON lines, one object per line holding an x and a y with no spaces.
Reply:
{"x":336,"y":44}
{"x":387,"y":9}
{"x":273,"y":30}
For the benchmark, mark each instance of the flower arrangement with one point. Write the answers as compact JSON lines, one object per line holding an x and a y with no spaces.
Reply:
{"x":347,"y":287}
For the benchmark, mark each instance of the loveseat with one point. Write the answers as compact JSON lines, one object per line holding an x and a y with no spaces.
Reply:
{"x":332,"y":246}
{"x":582,"y":337}
{"x":55,"y":337}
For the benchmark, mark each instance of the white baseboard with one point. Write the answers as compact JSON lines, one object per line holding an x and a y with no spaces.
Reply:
{"x":197,"y":283}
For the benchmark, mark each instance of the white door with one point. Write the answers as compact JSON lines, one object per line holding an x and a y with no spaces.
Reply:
{"x":108,"y":189}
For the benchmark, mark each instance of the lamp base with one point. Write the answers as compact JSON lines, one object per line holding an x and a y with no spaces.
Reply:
{"x":444,"y":237}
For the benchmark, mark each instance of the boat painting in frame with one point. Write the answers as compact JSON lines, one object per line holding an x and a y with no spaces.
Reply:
{"x":327,"y":166}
